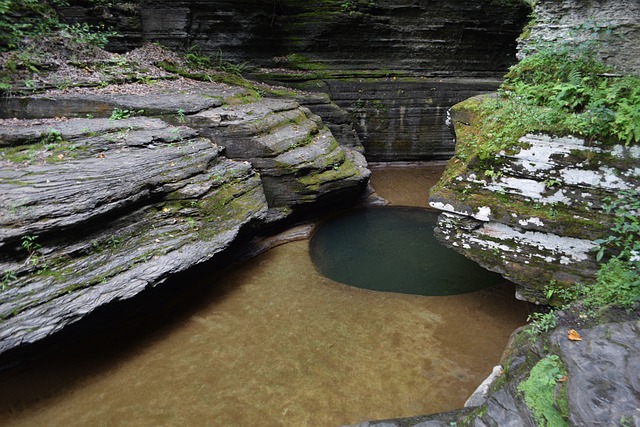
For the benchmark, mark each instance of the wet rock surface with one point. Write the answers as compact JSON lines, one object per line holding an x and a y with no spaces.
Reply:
{"x":451,"y":36}
{"x":601,"y":381}
{"x":535,"y":221}
{"x":95,"y":210}
{"x":603,"y":385}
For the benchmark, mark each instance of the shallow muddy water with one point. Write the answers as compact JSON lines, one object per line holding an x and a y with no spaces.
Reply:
{"x":273,"y":343}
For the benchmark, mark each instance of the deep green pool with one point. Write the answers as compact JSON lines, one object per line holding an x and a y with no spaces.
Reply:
{"x":393,"y":249}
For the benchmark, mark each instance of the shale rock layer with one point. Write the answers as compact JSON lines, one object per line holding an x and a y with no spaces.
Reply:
{"x":98,"y":209}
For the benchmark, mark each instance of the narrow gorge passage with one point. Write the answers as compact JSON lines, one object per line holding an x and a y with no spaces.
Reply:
{"x":271,"y":342}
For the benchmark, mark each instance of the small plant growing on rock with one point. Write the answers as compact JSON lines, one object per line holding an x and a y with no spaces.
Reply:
{"x":30,"y":244}
{"x":52,"y":136}
{"x":540,"y":323}
{"x":181,"y":118}
{"x":121,"y":114}
{"x":196,"y":58}
{"x":8,"y":277}
{"x":625,"y":236}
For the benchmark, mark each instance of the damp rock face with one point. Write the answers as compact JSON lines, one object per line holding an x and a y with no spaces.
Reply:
{"x":395,"y":67}
{"x":574,"y":22}
{"x":599,"y":387}
{"x":95,"y":210}
{"x":464,"y":36}
{"x":535,"y":221}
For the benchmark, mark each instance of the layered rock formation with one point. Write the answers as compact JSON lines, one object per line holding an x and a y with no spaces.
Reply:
{"x":535,"y":216}
{"x":453,"y":37}
{"x":98,"y":209}
{"x":572,"y":23}
{"x":441,"y":53}
{"x":404,"y":118}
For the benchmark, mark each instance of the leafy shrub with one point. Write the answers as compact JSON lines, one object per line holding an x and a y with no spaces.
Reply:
{"x":625,"y":232}
{"x":24,"y":19}
{"x":579,"y":93}
{"x":196,"y":58}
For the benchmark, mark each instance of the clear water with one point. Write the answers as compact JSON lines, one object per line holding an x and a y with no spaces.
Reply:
{"x":393,"y":249}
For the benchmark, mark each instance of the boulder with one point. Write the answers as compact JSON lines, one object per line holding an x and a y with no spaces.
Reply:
{"x":297,"y":157}
{"x":533,"y":215}
{"x":106,"y":210}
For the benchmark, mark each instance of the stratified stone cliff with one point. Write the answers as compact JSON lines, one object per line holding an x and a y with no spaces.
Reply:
{"x":395,"y":66}
{"x":461,"y":37}
{"x":575,"y":22}
{"x":95,"y":210}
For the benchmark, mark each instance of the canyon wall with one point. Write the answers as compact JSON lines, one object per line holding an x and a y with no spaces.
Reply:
{"x":395,"y":66}
{"x":97,"y":209}
{"x":573,"y":23}
{"x":535,"y":216}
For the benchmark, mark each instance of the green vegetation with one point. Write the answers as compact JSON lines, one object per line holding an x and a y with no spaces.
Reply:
{"x":121,"y":114}
{"x":197,"y":59}
{"x":8,"y":277}
{"x":31,"y":245}
{"x":296,"y":61}
{"x":625,"y":233}
{"x":576,"y":93}
{"x":545,"y":393}
{"x":31,"y":31}
{"x":617,"y":280}
{"x":25,"y":19}
{"x":559,"y":91}
{"x":180,"y":113}
{"x":52,"y":136}
{"x":540,"y":323}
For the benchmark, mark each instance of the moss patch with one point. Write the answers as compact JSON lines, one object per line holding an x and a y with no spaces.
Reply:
{"x":545,"y":392}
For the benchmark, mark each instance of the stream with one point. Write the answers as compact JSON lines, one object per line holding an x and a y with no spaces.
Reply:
{"x":271,"y":342}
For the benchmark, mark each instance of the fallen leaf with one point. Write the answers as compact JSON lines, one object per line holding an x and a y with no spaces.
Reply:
{"x":562,"y":379}
{"x":573,"y":335}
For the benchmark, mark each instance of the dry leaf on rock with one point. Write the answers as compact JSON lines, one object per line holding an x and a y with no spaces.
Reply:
{"x":573,"y":335}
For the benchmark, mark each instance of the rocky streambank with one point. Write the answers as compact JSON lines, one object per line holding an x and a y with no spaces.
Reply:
{"x":597,"y":385}
{"x":533,"y":215}
{"x":109,"y":192}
